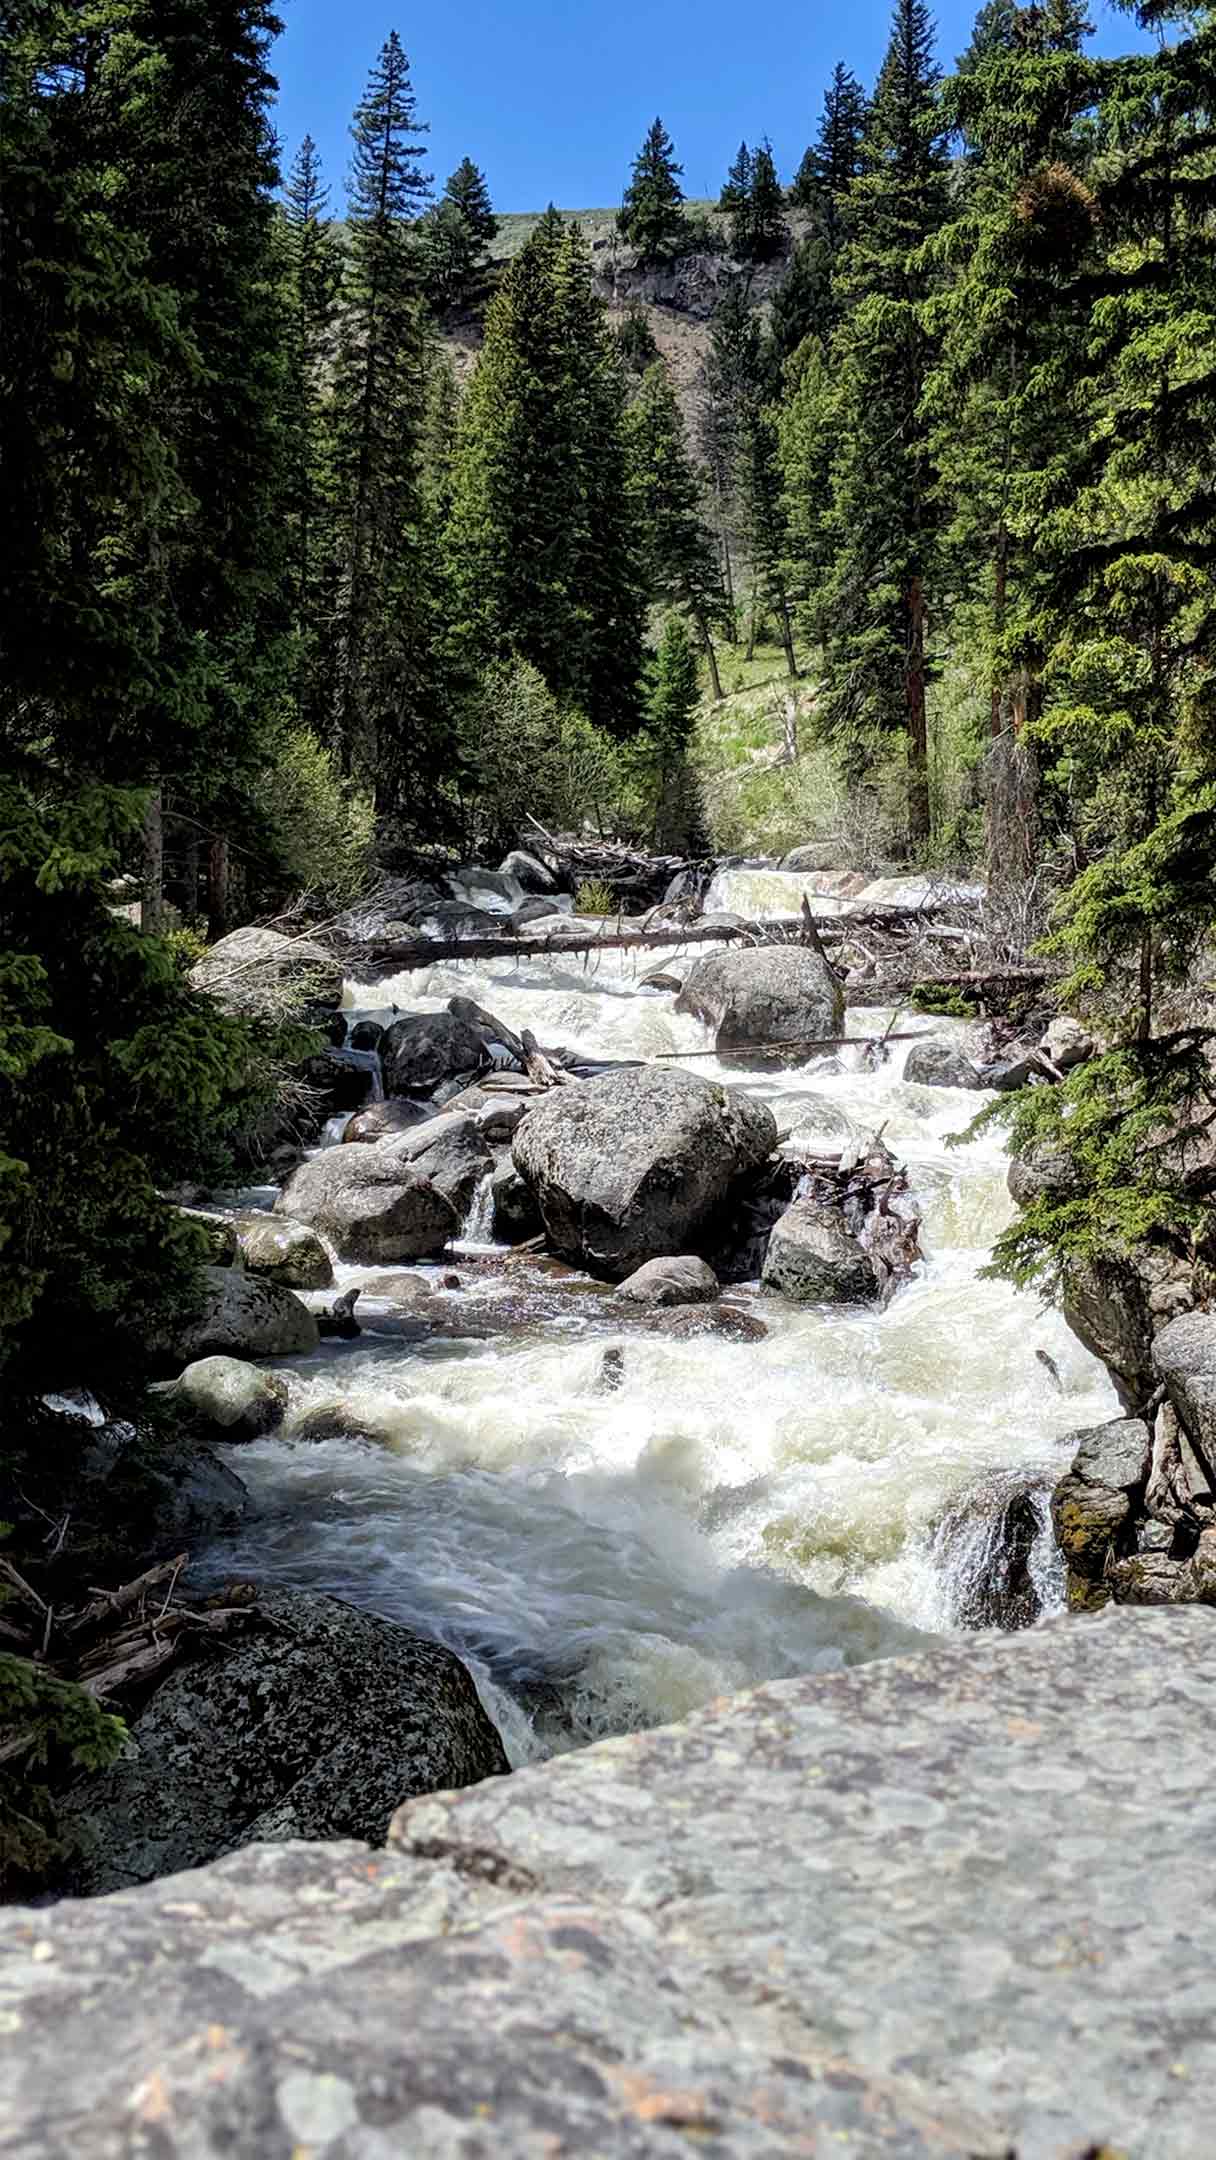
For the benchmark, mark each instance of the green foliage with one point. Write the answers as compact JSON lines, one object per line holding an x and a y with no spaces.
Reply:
{"x":752,"y":196}
{"x":61,"y":1726}
{"x":832,"y":163}
{"x":671,"y":798}
{"x":1116,"y":1133}
{"x":679,"y":560}
{"x":652,"y":217}
{"x":454,"y":236}
{"x":320,"y":827}
{"x":595,"y":898}
{"x":311,"y":291}
{"x":116,"y":1080}
{"x":636,"y":341}
{"x":541,"y":541}
{"x":530,"y":755}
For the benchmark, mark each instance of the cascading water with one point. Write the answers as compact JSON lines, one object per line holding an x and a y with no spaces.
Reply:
{"x":613,"y":1524}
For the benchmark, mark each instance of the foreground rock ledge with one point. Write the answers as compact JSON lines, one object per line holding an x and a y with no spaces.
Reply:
{"x":942,"y":1908}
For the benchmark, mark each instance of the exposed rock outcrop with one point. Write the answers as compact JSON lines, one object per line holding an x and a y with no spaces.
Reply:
{"x":765,"y":1003}
{"x":313,"y":1723}
{"x":966,"y":1928}
{"x":1094,"y":1506}
{"x":373,"y":1204}
{"x":630,"y":1165}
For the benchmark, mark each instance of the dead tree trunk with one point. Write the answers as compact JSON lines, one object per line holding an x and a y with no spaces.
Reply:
{"x":152,"y":894}
{"x":918,"y":721}
{"x":217,"y":889}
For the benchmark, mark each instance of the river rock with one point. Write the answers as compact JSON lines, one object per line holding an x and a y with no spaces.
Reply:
{"x":995,"y":1552}
{"x":1117,"y":1305}
{"x":495,"y":1114}
{"x":450,"y":1151}
{"x":381,"y":1120}
{"x":1184,"y":1356}
{"x":680,"y":1280}
{"x":1094,"y":1506}
{"x":283,"y":1252}
{"x":241,"y":1316}
{"x":421,"y":1049}
{"x":1014,"y":1068}
{"x":313,"y":1723}
{"x":630,"y":1165}
{"x":371,"y":1204}
{"x":688,"y":1321}
{"x":590,"y":1949}
{"x":253,"y":969}
{"x":935,"y":1063}
{"x":231,"y":1400}
{"x":138,"y":1495}
{"x":220,"y":1233}
{"x":367,"y":1034}
{"x":528,"y":872}
{"x":813,"y":1258}
{"x":515,"y":1213}
{"x":760,"y":999}
{"x":1066,"y":1042}
{"x":813,"y":855}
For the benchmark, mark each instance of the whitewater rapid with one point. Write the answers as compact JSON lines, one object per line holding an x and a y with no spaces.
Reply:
{"x":612,"y":1549}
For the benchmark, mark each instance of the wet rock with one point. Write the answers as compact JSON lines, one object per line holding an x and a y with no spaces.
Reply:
{"x":612,"y":1370}
{"x":450,"y":1151}
{"x":313,"y":1723}
{"x":283,"y":1252}
{"x":367,"y":1034}
{"x":940,"y":1064}
{"x":1067,"y":1043}
{"x":534,"y":876}
{"x":995,"y":1551}
{"x":1117,"y":1307}
{"x":240,"y":1316}
{"x":628,"y":1166}
{"x":131,"y":1494}
{"x":1013,"y":1069}
{"x":682,"y":1280}
{"x":1095,"y":1505}
{"x":422,"y":1049}
{"x":1184,"y":1356}
{"x":495,"y":1112}
{"x":220,"y":1232}
{"x":531,"y":911}
{"x":766,"y":1003}
{"x":229,"y":1399}
{"x":728,"y":1321}
{"x":1154,"y":1577}
{"x":813,"y":1259}
{"x":341,"y":1079}
{"x":515,"y":1213}
{"x":371,"y":1204}
{"x":251,"y":969}
{"x":399,"y":1114}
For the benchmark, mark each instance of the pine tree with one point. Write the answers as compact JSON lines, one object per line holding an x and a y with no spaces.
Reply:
{"x":885,"y":512}
{"x":677,"y":818}
{"x":312,"y":280}
{"x":736,"y":200}
{"x":468,"y":190}
{"x":808,"y":435}
{"x":766,"y":235}
{"x":803,"y":305}
{"x":832,"y":163}
{"x":636,"y":340}
{"x":389,"y":716}
{"x":540,"y":542}
{"x":651,"y":218}
{"x":678,"y":554}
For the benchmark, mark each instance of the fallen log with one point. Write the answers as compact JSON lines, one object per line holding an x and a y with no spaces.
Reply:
{"x":877,"y":990}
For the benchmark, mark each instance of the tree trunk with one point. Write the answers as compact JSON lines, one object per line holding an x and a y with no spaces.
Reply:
{"x":791,"y":727}
{"x":190,"y":880}
{"x":152,"y":896}
{"x":787,"y":638}
{"x":711,"y":660}
{"x":217,"y":889}
{"x":919,"y":825}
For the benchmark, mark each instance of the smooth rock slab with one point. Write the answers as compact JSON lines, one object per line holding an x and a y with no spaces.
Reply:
{"x":682,"y":1279}
{"x":938,"y":1908}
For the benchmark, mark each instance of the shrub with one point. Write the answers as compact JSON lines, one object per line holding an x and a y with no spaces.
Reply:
{"x":533,"y":756}
{"x":319,"y":828}
{"x":595,"y":898}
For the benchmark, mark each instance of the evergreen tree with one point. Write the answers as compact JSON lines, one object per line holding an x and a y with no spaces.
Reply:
{"x":885,"y":511}
{"x":808,"y":434}
{"x":677,"y":819}
{"x":993,"y":33}
{"x":736,"y":200}
{"x":467,"y":189}
{"x":678,"y":554}
{"x":636,"y":340}
{"x":312,"y":263}
{"x":833,"y":161}
{"x":540,"y":542}
{"x":766,"y":225}
{"x":765,"y":524}
{"x":803,"y":305}
{"x":651,"y":218}
{"x":389,"y":715}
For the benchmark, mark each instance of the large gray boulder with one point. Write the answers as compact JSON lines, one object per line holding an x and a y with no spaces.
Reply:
{"x":1118,"y":1304}
{"x":682,"y":1279}
{"x":1094,"y":1506}
{"x":1184,"y":1356}
{"x":241,"y":1316}
{"x":534,"y":876}
{"x":814,"y":1259}
{"x":422,"y":1049}
{"x":314,"y":1723}
{"x":765,"y":1003}
{"x":970,"y":1929}
{"x":513,"y":1208}
{"x":450,"y":1150}
{"x":253,"y":969}
{"x":631,"y":1165}
{"x":935,"y":1063}
{"x":371,"y":1204}
{"x":813,"y":855}
{"x":284,"y":1252}
{"x":230,"y":1399}
{"x":381,"y":1120}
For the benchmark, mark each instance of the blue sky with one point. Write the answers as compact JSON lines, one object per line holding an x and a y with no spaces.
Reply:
{"x":552,"y":99}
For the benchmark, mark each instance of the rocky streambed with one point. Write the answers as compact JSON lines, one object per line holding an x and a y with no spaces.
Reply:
{"x":615,"y":1507}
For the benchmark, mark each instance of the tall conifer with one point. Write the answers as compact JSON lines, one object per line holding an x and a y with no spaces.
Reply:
{"x":677,"y":552}
{"x":651,"y":217}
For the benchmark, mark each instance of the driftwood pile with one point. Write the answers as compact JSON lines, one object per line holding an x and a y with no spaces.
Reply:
{"x":871,"y":1190}
{"x":117,"y":1643}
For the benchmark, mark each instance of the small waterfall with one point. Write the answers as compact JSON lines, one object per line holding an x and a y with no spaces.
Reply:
{"x":367,"y":1061}
{"x":478,"y":1228}
{"x":333,"y":1132}
{"x":997,"y":1555}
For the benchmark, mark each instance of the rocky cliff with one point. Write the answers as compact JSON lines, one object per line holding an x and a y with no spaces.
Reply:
{"x":904,"y":1912}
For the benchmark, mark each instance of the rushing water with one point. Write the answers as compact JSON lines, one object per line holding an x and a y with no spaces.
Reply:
{"x":612,"y":1542}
